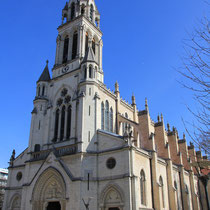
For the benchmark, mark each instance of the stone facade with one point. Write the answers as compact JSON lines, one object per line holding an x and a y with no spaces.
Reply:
{"x":89,"y":147}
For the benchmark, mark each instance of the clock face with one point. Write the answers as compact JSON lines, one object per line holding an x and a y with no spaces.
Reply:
{"x":65,"y":69}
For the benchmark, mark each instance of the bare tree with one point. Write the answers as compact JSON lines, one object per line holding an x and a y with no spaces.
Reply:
{"x":196,"y":77}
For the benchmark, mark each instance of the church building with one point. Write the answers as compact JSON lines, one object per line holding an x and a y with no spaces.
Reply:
{"x":88,"y":148}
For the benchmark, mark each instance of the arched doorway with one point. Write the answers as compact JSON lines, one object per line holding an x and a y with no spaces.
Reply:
{"x":16,"y":203}
{"x":114,"y":209}
{"x":54,"y":206}
{"x":49,"y":192}
{"x":112,"y":198}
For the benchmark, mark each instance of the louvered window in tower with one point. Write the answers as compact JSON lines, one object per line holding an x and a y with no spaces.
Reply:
{"x":56,"y":125}
{"x":91,"y":12}
{"x":86,"y":42}
{"x":68,"y":134}
{"x":94,"y":46}
{"x":65,"y":49}
{"x":72,"y":10}
{"x":74,"y":46}
{"x":62,"y":123}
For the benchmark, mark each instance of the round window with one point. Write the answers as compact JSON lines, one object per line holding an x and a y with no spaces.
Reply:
{"x":111,"y":163}
{"x":19,"y":176}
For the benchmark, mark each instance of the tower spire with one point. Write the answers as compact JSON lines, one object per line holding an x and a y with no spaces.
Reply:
{"x":45,"y":76}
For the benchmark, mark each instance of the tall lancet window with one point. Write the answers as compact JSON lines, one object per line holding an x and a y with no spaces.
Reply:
{"x":65,"y":49}
{"x":94,"y":46}
{"x":91,"y":12}
{"x":86,"y":42}
{"x":43,"y":90}
{"x":39,"y":90}
{"x":56,"y":125}
{"x":68,"y":133}
{"x":62,"y":123}
{"x":72,"y":10}
{"x":85,"y":72}
{"x":107,"y":116}
{"x":74,"y":46}
{"x":102,"y":115}
{"x":162,"y":191}
{"x":83,"y":9}
{"x":90,"y":72}
{"x":111,"y":120}
{"x":143,"y":188}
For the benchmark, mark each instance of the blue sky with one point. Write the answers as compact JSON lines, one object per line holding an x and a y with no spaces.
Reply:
{"x":142,"y":46}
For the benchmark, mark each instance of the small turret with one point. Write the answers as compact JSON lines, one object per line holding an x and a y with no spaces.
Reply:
{"x":44,"y":79}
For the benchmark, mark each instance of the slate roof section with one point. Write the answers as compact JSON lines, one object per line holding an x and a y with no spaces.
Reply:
{"x":66,"y":6}
{"x":45,"y":76}
{"x":89,"y":55}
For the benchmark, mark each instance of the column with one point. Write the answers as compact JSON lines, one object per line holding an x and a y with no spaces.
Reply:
{"x":83,"y":41}
{"x":80,"y":29}
{"x":57,"y":50}
{"x":194,"y":197}
{"x":170,"y":183}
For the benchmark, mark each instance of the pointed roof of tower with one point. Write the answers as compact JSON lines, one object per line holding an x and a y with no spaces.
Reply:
{"x":45,"y":76}
{"x":89,"y":55}
{"x":66,"y":6}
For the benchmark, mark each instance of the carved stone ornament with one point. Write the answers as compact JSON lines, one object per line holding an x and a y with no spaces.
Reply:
{"x":64,"y":92}
{"x":67,"y":99}
{"x":65,"y":69}
{"x":53,"y":191}
{"x":113,"y":197}
{"x":59,"y":102}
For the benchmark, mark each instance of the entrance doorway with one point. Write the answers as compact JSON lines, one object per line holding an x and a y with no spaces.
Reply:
{"x":54,"y":206}
{"x":114,"y":208}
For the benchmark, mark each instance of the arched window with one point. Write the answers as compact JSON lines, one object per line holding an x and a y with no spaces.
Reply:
{"x":91,"y":12}
{"x":162,"y":191}
{"x":39,"y":91}
{"x":90,"y":72}
{"x":86,"y":41}
{"x":143,"y":188}
{"x":111,"y":120}
{"x":94,"y":46}
{"x":65,"y":49}
{"x":62,"y":123}
{"x":68,"y":134}
{"x":83,"y":9}
{"x":72,"y":10}
{"x":107,"y":116}
{"x":85,"y":72}
{"x":102,"y":115}
{"x":43,"y":90}
{"x":56,"y":125}
{"x":74,"y":46}
{"x":37,"y":148}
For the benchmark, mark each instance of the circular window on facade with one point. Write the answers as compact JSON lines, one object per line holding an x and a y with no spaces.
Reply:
{"x":19,"y":176}
{"x":111,"y":163}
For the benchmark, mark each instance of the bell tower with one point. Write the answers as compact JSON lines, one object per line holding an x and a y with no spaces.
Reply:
{"x":79,"y":41}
